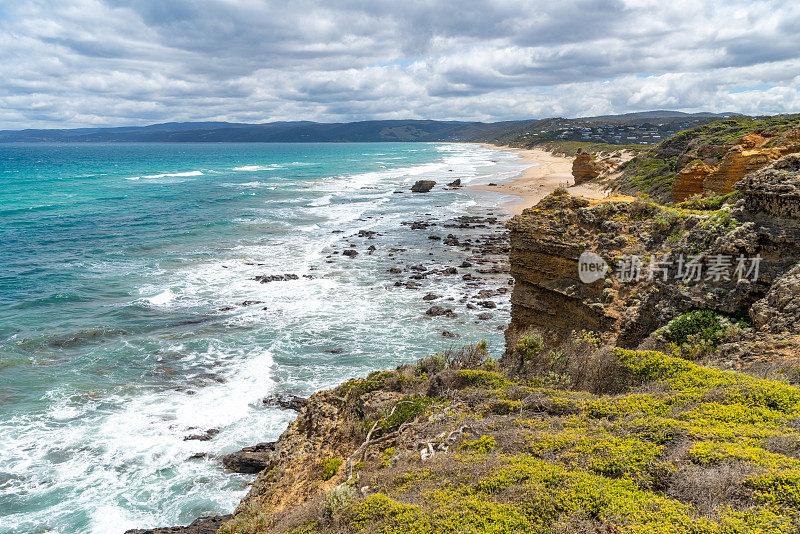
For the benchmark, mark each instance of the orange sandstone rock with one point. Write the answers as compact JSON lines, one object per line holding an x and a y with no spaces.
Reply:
{"x":584,"y":168}
{"x":689,"y":180}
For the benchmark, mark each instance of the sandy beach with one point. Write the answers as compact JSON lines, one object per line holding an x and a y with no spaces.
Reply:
{"x":546,"y":173}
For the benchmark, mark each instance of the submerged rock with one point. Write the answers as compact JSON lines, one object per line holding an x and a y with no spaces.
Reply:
{"x":206,"y":436}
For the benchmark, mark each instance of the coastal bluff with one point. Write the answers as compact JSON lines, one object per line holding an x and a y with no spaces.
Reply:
{"x":548,"y":239}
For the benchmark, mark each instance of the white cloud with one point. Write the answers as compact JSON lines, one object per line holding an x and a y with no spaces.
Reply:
{"x":66,"y":63}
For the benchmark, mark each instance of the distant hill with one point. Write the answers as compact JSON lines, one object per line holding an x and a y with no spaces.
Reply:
{"x":305,"y":131}
{"x":657,"y":114}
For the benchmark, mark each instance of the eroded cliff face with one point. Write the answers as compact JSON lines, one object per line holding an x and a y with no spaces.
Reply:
{"x":547,"y":241}
{"x":751,"y":153}
{"x":689,"y":181}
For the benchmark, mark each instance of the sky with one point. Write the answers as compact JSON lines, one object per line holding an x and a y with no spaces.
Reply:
{"x":76,"y":63}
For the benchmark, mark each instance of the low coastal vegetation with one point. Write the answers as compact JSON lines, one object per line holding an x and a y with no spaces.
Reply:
{"x":582,"y":438}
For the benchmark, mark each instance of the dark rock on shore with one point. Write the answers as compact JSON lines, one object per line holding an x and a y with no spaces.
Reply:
{"x":422,"y":186}
{"x":287,"y":401}
{"x":250,"y":460}
{"x":202,"y":525}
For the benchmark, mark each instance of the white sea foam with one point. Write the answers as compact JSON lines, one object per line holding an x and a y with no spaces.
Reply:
{"x":162,"y":298}
{"x":254,"y":168}
{"x":173,"y":175}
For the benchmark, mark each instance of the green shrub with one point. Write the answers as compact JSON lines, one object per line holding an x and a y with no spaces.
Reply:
{"x":330,"y":467}
{"x":700,"y":329}
{"x":405,"y":410}
{"x":708,"y":203}
{"x":339,"y":498}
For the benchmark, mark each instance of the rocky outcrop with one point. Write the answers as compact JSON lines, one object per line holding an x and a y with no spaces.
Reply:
{"x":689,"y":180}
{"x":547,"y":242}
{"x":202,"y":525}
{"x":422,"y":186}
{"x":584,"y":168}
{"x":736,"y":164}
{"x":775,"y":189}
{"x":779,"y":311}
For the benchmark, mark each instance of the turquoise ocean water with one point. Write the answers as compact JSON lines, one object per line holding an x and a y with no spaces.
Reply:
{"x":125,"y":326}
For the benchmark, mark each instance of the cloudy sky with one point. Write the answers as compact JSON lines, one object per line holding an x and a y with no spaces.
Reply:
{"x":69,"y":63}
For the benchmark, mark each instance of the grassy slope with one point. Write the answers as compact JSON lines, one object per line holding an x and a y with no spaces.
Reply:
{"x":679,"y":448}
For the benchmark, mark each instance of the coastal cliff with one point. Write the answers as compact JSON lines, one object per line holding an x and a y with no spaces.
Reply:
{"x":547,"y":242}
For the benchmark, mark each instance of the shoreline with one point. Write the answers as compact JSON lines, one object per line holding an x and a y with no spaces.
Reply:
{"x":546,"y":173}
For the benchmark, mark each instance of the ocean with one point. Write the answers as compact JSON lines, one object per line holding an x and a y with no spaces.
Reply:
{"x":131,"y":317}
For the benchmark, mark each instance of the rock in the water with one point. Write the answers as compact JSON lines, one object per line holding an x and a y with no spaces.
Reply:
{"x":287,"y":401}
{"x":202,"y":525}
{"x":430,"y":296}
{"x":455,"y":183}
{"x":250,"y":460}
{"x":438,"y":311}
{"x":422,"y":186}
{"x":206,"y":436}
{"x":275,"y":278}
{"x":352,"y":253}
{"x":484,"y":316}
